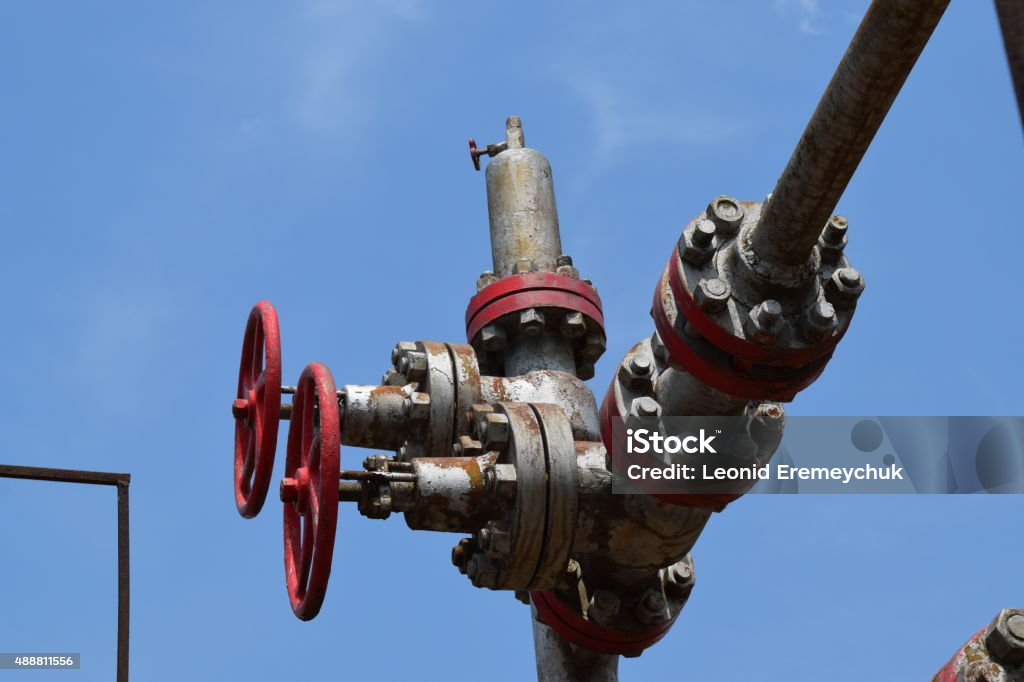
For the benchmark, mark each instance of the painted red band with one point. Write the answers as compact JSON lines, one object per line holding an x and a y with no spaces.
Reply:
{"x":531,"y":290}
{"x":722,"y":374}
{"x":574,"y":628}
{"x":733,"y":345}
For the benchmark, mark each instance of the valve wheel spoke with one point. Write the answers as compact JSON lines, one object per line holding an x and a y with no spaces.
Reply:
{"x":257,"y":409}
{"x":309,"y":490}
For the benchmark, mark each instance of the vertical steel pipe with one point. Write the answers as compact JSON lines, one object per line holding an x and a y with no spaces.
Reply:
{"x":883,"y":51}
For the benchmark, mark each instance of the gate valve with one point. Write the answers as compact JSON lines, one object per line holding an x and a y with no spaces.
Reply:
{"x":500,"y":441}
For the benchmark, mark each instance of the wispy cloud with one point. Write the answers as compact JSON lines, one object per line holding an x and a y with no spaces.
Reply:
{"x":335,"y":89}
{"x":633,"y":81}
{"x":622,"y":117}
{"x":807,"y":12}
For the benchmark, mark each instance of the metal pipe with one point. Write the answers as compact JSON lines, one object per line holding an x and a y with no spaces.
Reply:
{"x":560,"y":661}
{"x":883,"y":51}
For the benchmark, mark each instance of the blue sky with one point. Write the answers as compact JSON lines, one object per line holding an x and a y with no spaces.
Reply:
{"x":167,"y":165}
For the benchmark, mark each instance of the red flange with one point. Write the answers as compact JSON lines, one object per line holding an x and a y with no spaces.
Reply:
{"x":531,"y":290}
{"x":747,"y":351}
{"x":309,"y":490}
{"x":257,"y":409}
{"x":728,"y":363}
{"x":564,"y":620}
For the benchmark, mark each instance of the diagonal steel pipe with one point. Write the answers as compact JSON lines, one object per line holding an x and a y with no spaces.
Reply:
{"x":883,"y":51}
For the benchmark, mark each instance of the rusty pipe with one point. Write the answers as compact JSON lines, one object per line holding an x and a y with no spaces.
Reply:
{"x":883,"y":51}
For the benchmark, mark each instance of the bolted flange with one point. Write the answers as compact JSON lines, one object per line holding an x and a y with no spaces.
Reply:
{"x":747,"y":337}
{"x":529,"y":304}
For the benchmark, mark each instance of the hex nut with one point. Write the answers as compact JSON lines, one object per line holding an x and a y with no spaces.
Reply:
{"x":820,"y":321}
{"x":712,"y":295}
{"x":392,"y":378}
{"x":645,"y":407}
{"x":495,"y":432}
{"x":679,"y":580}
{"x":568,"y":271}
{"x":376,"y":463}
{"x":523,"y":266}
{"x":493,"y":337}
{"x":593,"y":346}
{"x":499,"y":539}
{"x":604,"y":606}
{"x":726,"y":212}
{"x":500,"y":479}
{"x":399,"y":351}
{"x":564,"y":267}
{"x":1005,"y":640}
{"x":697,"y":243}
{"x":466,"y":446}
{"x":486,"y":279}
{"x":417,"y":406}
{"x":652,"y":608}
{"x":844,"y":287}
{"x":482,"y":572}
{"x":764,"y":322}
{"x":635,"y":372}
{"x":531,"y":322}
{"x":415,"y":366}
{"x":573,"y":325}
{"x":476,"y":418}
{"x":585,"y":370}
{"x":461,"y":553}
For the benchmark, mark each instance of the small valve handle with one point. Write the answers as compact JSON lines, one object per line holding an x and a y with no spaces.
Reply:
{"x":490,"y":150}
{"x":310,"y":489}
{"x":475,"y":153}
{"x":257,"y":409}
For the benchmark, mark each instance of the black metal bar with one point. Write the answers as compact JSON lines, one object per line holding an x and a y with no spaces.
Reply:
{"x":123,"y":582}
{"x":122,"y":482}
{"x":883,"y":51}
{"x":1011,"y":21}
{"x":63,"y":475}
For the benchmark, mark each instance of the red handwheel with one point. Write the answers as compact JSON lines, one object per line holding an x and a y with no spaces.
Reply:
{"x":309,"y":490}
{"x":257,"y":409}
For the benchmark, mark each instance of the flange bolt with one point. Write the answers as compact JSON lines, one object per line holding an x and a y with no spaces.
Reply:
{"x":1005,"y":641}
{"x":821,"y":321}
{"x":712,"y":294}
{"x":726,"y":212}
